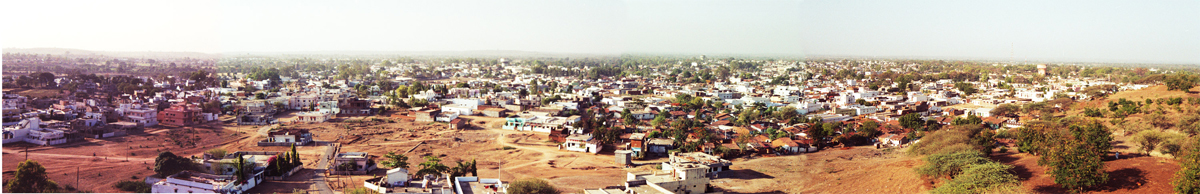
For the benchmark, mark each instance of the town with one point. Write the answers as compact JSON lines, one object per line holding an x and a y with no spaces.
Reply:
{"x":629,"y":124}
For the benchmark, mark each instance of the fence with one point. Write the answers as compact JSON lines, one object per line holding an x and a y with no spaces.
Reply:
{"x":371,"y":184}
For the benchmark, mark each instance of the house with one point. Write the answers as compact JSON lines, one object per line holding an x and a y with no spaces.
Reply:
{"x":659,"y":145}
{"x":674,"y":178}
{"x":476,"y":185}
{"x":894,"y":140}
{"x":351,"y":163}
{"x":786,"y":145}
{"x":138,"y":114}
{"x":179,"y":115}
{"x":397,"y":176}
{"x":445,"y":116}
{"x":354,"y":107}
{"x":30,"y":130}
{"x":493,"y":111}
{"x":196,"y":182}
{"x":257,"y":119}
{"x":424,"y":115}
{"x":287,"y":137}
{"x":313,"y":117}
{"x":458,"y":124}
{"x":581,"y":143}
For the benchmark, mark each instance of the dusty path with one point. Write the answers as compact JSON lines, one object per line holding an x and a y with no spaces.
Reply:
{"x":18,"y":153}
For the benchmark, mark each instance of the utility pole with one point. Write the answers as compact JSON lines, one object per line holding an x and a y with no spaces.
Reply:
{"x":77,"y":177}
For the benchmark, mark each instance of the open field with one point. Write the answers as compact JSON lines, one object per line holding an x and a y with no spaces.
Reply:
{"x":1127,"y":175}
{"x":37,"y":93}
{"x":855,"y":170}
{"x":103,"y":162}
{"x":527,"y":154}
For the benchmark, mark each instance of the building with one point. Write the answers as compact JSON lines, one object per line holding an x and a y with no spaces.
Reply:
{"x":196,"y":182}
{"x":313,"y":117}
{"x":138,"y":114}
{"x":179,"y":115}
{"x":287,"y":137}
{"x":674,"y":178}
{"x":476,"y":185}
{"x":458,"y":124}
{"x":31,"y":131}
{"x":354,"y":107}
{"x":581,"y":143}
{"x":351,"y":163}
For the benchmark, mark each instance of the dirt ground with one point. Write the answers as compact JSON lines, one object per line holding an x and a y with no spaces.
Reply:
{"x":855,"y":170}
{"x":103,"y":162}
{"x":1143,"y":174}
{"x":509,"y":155}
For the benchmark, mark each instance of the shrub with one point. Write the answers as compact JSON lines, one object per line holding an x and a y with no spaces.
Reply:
{"x":531,"y":186}
{"x":1148,"y":140}
{"x":988,"y":177}
{"x":133,"y":186}
{"x":957,"y":138}
{"x":358,"y":190}
{"x":950,"y":165}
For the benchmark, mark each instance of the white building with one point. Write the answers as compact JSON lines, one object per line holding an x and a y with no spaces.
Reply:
{"x":195,"y":182}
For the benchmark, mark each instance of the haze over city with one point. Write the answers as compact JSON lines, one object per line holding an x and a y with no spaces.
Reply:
{"x":1065,"y":31}
{"x":600,"y":96}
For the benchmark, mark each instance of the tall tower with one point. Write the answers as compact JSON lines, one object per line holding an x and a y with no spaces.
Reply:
{"x":1041,"y":69}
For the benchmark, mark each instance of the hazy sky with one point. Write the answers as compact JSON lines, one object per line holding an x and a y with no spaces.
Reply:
{"x":1090,"y":31}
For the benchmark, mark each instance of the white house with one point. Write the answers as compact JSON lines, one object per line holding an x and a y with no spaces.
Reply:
{"x":581,"y":143}
{"x":397,"y":176}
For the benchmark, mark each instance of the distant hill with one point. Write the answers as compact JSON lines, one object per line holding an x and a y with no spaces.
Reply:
{"x":82,"y":53}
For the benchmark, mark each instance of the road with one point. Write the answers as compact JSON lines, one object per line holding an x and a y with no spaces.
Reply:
{"x":319,"y":177}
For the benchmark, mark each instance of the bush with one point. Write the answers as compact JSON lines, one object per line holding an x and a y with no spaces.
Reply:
{"x":989,"y":177}
{"x":950,"y":165}
{"x":358,"y":190}
{"x":1148,"y":140}
{"x":531,"y":186}
{"x":957,"y":138}
{"x":133,"y":186}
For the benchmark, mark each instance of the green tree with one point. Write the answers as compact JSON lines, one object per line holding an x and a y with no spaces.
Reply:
{"x":167,"y":164}
{"x":911,"y":121}
{"x":432,"y":165}
{"x":30,"y":177}
{"x":1076,"y":160}
{"x":393,"y":160}
{"x":988,"y":177}
{"x":950,"y":165}
{"x":531,"y":186}
{"x":1187,"y":179}
{"x":1148,"y":140}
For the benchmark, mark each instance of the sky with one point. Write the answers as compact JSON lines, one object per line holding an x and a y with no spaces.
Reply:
{"x":1074,"y":31}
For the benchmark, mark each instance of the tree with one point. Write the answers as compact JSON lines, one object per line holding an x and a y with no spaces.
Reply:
{"x":531,"y":186}
{"x":393,"y":160}
{"x":950,"y":165}
{"x":870,"y":128}
{"x":1006,"y":110}
{"x":1187,"y":179}
{"x":1148,"y":140}
{"x":295,"y":157}
{"x":30,"y":177}
{"x":167,"y":164}
{"x":989,"y":177}
{"x":1076,"y":160}
{"x":1180,"y":81}
{"x":911,"y":121}
{"x":432,"y":165}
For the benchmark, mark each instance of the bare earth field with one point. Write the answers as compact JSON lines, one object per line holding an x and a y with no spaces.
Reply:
{"x":115,"y":158}
{"x":1127,"y":175}
{"x":855,"y":170}
{"x":528,"y":154}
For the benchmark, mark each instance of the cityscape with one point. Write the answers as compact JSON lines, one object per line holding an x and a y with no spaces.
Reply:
{"x":600,"y":97}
